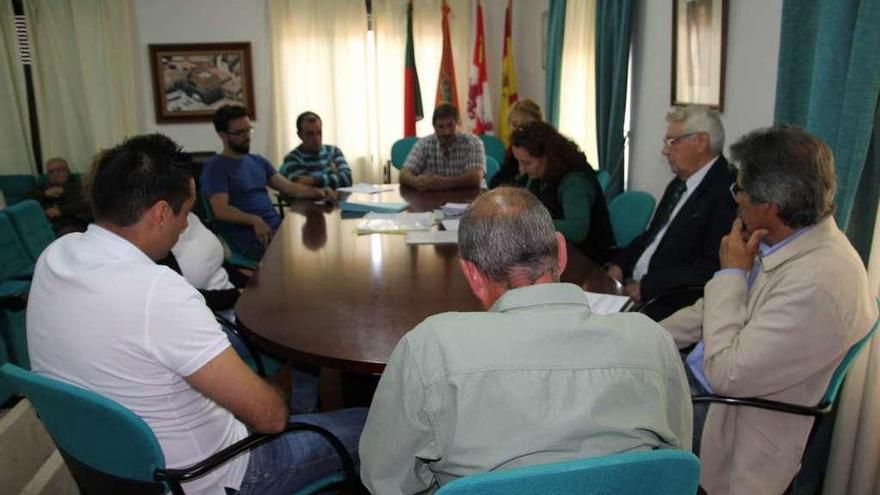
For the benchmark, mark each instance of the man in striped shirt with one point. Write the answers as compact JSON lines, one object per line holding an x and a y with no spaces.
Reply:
{"x":313,"y":163}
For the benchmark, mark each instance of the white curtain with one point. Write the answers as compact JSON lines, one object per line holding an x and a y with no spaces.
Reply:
{"x":15,"y":143}
{"x":854,"y":467}
{"x":85,"y":76}
{"x":577,"y":89}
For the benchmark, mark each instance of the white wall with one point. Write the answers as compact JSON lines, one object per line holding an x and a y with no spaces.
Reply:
{"x":203,"y":21}
{"x":752,"y":52}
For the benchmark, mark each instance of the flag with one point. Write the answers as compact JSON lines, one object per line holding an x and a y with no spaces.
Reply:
{"x":479,"y":107}
{"x":508,"y":79}
{"x":412,"y":94}
{"x":446,"y":90}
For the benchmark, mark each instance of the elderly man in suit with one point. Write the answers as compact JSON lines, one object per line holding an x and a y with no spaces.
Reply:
{"x":790,"y":299}
{"x":680,"y":247}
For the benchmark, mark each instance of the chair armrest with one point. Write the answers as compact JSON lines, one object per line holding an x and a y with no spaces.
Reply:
{"x":695,"y":290}
{"x":820,"y":410}
{"x":253,"y":441}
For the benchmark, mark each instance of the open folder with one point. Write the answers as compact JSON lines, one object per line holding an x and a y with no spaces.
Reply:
{"x":363,"y":207}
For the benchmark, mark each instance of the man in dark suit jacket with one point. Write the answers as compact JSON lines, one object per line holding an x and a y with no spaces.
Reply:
{"x":680,"y":247}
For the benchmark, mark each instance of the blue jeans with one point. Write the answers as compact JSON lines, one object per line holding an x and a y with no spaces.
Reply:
{"x":296,"y":459}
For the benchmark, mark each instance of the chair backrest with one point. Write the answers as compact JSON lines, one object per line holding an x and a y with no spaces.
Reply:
{"x":492,"y":168}
{"x":604,"y":178}
{"x":100,"y":435}
{"x":6,"y":388}
{"x":843,"y":367}
{"x":13,"y":333}
{"x":400,"y":149}
{"x":630,"y":212}
{"x":658,"y":472}
{"x":494,"y":147}
{"x":14,"y":260}
{"x":16,"y":187}
{"x":33,"y":227}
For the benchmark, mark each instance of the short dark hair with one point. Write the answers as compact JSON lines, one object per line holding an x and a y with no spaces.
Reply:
{"x":508,"y":234}
{"x":542,"y":140}
{"x":790,"y":167}
{"x":306,"y":116}
{"x":129,"y":178}
{"x":443,"y":111}
{"x":226,"y":113}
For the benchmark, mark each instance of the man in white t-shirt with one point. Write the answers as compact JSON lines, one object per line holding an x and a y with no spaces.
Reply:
{"x":138,"y":333}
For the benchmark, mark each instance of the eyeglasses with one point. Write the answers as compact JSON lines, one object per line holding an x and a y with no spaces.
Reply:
{"x":671,"y":141}
{"x":241,"y":132}
{"x":735,"y":189}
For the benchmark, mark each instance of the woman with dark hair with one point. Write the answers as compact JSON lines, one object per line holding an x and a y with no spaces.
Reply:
{"x":559,"y":175}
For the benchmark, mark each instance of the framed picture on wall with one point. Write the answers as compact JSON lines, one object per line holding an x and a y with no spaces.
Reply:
{"x":192,"y":80}
{"x":699,"y":51}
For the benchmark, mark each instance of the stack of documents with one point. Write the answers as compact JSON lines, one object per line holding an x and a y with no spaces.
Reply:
{"x":363,"y":206}
{"x":365,"y":188}
{"x":432,"y":237}
{"x":606,"y":304}
{"x":394,"y":223}
{"x":450,"y":223}
{"x":454,"y":209}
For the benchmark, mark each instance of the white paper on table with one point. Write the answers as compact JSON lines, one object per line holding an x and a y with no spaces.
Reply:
{"x":432,"y":237}
{"x":395,"y":223}
{"x":606,"y":304}
{"x":450,"y":224}
{"x":453,"y":209}
{"x":365,"y":188}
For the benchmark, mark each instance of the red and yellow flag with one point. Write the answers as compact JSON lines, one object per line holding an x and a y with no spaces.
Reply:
{"x":508,"y":79}
{"x":412,"y":94}
{"x":446,"y":90}
{"x":479,"y":106}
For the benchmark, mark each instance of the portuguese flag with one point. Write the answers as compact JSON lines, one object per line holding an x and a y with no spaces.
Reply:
{"x":412,"y":94}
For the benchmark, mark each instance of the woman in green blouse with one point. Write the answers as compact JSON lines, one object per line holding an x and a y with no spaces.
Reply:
{"x":559,"y":175}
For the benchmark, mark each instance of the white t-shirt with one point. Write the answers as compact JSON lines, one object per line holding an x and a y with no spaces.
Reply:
{"x":102,"y":315}
{"x":200,"y":256}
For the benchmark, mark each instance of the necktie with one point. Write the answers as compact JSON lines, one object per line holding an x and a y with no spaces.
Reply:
{"x":667,"y":206}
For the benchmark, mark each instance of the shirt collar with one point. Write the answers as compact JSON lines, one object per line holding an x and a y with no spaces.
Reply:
{"x":768,"y":250}
{"x":539,"y":295}
{"x":694,"y":180}
{"x":121,"y":245}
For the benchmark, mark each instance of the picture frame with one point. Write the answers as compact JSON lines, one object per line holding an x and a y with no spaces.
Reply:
{"x":192,"y":80}
{"x":699,"y":52}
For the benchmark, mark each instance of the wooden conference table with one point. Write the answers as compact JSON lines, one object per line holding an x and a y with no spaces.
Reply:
{"x":324,"y":295}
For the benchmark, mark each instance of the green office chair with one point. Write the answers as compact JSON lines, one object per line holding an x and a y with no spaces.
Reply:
{"x":656,"y":472}
{"x":492,"y":168}
{"x":16,"y":187}
{"x":206,"y":215}
{"x":109,"y":449}
{"x":494,"y":147}
{"x":261,"y":363}
{"x":16,"y":267}
{"x":812,"y":460}
{"x":32,"y":226}
{"x":630,"y":213}
{"x":604,"y":178}
{"x":400,"y":149}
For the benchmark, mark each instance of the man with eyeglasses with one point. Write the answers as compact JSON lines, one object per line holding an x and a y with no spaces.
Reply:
{"x":235,"y":180}
{"x":62,"y":199}
{"x":680,"y":247}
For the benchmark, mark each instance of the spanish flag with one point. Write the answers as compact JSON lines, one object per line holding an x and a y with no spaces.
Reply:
{"x":446,"y":90}
{"x":508,"y":80}
{"x":412,"y":94}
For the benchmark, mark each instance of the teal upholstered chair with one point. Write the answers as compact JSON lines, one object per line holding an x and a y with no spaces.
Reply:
{"x":604,"y":178}
{"x":261,"y":363}
{"x":656,"y":472}
{"x":13,"y":333}
{"x":815,"y":456}
{"x":16,"y":267}
{"x":400,"y":149}
{"x":109,"y":449}
{"x":16,"y":187}
{"x":32,"y":226}
{"x":492,"y":168}
{"x":630,"y":213}
{"x":494,"y":147}
{"x":206,"y":215}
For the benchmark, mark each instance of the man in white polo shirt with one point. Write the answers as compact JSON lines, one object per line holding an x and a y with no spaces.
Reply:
{"x":138,"y":333}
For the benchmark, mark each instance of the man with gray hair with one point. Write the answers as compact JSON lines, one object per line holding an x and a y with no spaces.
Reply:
{"x":680,"y":247}
{"x":790,"y":300}
{"x":537,"y":379}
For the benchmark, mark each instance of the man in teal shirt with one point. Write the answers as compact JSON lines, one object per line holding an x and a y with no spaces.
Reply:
{"x":537,"y":379}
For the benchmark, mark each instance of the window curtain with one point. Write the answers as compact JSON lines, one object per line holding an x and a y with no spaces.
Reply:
{"x":828,"y":82}
{"x":553,"y":59}
{"x":613,"y":24}
{"x":85,"y":76}
{"x":577,"y":86}
{"x":15,"y":139}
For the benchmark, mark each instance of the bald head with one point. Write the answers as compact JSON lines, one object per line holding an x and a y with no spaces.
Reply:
{"x":509,"y":237}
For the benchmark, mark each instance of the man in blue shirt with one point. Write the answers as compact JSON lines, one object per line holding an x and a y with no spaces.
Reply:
{"x":235,"y":180}
{"x":313,"y":163}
